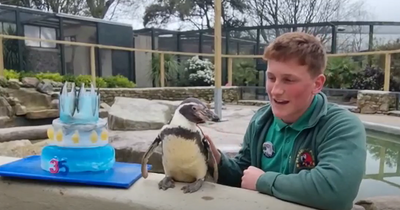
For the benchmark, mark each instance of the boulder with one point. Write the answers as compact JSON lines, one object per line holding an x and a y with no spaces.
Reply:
{"x":138,"y":114}
{"x":24,"y":132}
{"x":379,"y":203}
{"x":31,"y":99}
{"x":42,"y":114}
{"x":14,"y":84}
{"x":45,"y":86}
{"x":3,"y":82}
{"x":131,"y":146}
{"x":21,"y":148}
{"x":6,"y":109}
{"x":30,"y":82}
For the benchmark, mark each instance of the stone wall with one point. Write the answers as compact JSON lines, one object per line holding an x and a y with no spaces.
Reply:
{"x":375,"y":102}
{"x":229,"y":94}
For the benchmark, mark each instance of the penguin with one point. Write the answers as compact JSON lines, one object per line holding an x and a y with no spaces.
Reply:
{"x":185,"y":152}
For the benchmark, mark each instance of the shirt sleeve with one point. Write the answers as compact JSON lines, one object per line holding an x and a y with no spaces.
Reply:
{"x":334,"y":182}
{"x":230,"y":170}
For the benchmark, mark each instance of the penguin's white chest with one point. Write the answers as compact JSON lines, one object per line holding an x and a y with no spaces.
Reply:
{"x":183,"y":160}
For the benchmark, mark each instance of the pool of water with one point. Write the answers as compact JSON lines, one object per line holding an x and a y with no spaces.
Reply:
{"x":382,"y":175}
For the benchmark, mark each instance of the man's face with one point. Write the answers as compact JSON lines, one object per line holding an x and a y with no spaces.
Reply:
{"x":291,"y":89}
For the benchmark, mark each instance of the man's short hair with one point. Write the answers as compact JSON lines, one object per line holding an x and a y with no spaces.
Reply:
{"x":303,"y":48}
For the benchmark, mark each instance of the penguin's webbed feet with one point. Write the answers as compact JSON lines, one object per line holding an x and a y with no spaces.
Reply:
{"x":166,"y":183}
{"x":193,"y":187}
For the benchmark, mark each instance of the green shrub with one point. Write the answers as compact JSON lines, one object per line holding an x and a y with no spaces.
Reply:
{"x":56,"y":77}
{"x":11,"y":74}
{"x":118,"y":81}
{"x":106,"y":82}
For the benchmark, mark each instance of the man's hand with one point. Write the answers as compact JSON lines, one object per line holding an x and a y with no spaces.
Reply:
{"x":213,"y":149}
{"x":250,"y":177}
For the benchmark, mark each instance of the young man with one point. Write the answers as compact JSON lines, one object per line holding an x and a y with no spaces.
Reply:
{"x":299,"y":148}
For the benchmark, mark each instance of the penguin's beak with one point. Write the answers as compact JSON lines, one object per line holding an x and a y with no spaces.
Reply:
{"x":207,"y":115}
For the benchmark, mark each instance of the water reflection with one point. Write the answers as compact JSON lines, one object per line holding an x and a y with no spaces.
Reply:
{"x":382,"y":175}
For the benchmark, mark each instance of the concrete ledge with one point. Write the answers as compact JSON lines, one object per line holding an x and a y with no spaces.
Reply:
{"x":18,"y":194}
{"x":393,"y":130}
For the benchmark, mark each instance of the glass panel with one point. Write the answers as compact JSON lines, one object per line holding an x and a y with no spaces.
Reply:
{"x":48,"y":33}
{"x":34,"y":32}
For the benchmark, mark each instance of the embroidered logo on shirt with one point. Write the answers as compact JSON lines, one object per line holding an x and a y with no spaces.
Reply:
{"x":268,"y":149}
{"x":305,"y":159}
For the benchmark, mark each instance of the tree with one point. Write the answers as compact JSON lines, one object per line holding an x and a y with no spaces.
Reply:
{"x":92,"y":8}
{"x":199,"y":13}
{"x":282,"y":12}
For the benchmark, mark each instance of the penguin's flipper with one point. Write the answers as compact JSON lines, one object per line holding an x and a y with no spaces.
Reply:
{"x":212,"y":159}
{"x":147,"y":155}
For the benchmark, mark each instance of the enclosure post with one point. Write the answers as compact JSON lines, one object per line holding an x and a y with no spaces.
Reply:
{"x":93,"y":65}
{"x":230,"y":71}
{"x":217,"y":59}
{"x":162,"y":70}
{"x":387,"y":72}
{"x":1,"y":58}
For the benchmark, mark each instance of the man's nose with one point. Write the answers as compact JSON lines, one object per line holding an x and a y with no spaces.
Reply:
{"x":277,"y":89}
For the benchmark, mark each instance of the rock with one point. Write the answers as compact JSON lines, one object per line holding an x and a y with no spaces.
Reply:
{"x":5,"y":108}
{"x":374,"y":102}
{"x":380,"y":203}
{"x":19,"y":110}
{"x":105,"y":106}
{"x":3,"y":82}
{"x":3,"y":92}
{"x":24,"y":132}
{"x":14,"y":84}
{"x":4,"y":121}
{"x":13,"y":101}
{"x":45,"y":86}
{"x":31,"y":99}
{"x":103,"y":113}
{"x":21,"y":148}
{"x":130,"y":147}
{"x":55,"y":95}
{"x":42,"y":114}
{"x":30,"y":82}
{"x":54,"y":104}
{"x":138,"y":114}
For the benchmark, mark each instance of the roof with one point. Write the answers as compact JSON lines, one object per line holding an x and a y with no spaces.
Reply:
{"x":62,"y":15}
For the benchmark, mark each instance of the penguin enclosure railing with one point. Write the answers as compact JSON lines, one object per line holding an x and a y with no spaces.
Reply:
{"x":236,"y":68}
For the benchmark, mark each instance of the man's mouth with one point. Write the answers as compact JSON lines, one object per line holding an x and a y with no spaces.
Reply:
{"x":281,"y":102}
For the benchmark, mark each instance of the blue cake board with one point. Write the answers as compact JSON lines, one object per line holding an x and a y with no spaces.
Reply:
{"x":122,"y":175}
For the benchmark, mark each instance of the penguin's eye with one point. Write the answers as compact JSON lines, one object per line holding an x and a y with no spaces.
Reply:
{"x":194,"y":108}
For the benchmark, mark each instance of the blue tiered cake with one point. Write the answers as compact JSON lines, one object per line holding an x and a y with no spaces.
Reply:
{"x":78,"y":140}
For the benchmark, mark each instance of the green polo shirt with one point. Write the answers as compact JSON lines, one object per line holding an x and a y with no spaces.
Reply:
{"x":280,"y":138}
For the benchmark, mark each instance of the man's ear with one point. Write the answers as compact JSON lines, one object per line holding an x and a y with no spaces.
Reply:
{"x":319,"y":83}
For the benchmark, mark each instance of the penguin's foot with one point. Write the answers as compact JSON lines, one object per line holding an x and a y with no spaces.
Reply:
{"x":193,"y":187}
{"x":166,"y":183}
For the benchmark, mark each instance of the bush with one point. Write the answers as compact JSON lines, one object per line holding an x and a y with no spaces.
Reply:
{"x":200,"y":72}
{"x":372,"y":78}
{"x":101,"y":82}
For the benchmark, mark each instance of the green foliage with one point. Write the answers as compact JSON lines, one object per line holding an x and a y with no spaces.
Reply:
{"x":117,"y":81}
{"x":244,"y":72}
{"x":56,"y":77}
{"x":171,"y":68}
{"x":11,"y":74}
{"x":340,"y":72}
{"x":10,"y":50}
